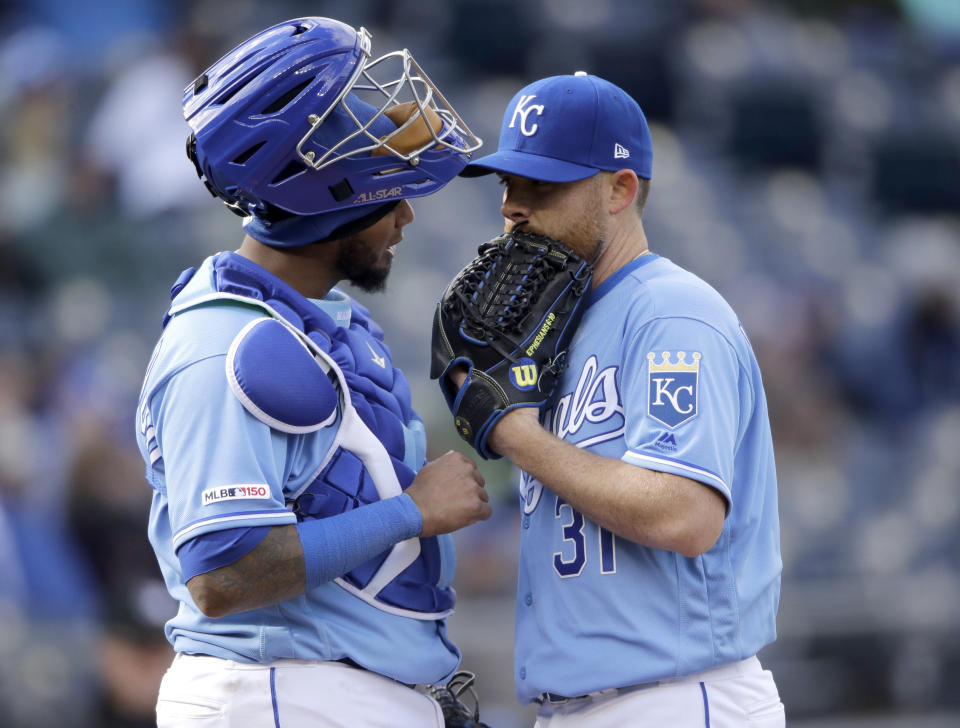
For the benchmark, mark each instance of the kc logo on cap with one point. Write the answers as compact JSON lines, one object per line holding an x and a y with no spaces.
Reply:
{"x":522,"y":109}
{"x":568,"y":128}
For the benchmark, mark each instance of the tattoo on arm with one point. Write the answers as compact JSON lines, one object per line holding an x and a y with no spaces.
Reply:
{"x":273,"y":572}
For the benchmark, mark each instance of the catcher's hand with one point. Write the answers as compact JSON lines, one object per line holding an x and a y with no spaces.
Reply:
{"x":455,"y":712}
{"x":508,"y":318}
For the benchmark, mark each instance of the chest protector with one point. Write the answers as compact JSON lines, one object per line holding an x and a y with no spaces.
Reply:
{"x":337,"y":365}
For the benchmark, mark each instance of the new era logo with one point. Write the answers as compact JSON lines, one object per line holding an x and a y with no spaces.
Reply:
{"x":620,"y":151}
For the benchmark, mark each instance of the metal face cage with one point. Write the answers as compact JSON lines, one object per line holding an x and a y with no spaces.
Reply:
{"x":407,"y":83}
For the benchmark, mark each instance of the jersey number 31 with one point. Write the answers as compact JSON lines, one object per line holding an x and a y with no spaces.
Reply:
{"x":572,"y":525}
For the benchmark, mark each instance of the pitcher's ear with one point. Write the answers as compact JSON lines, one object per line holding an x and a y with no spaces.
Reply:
{"x":623,"y":186}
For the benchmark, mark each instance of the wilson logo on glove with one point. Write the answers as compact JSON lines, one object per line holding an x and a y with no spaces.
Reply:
{"x":507,"y":318}
{"x":524,"y":376}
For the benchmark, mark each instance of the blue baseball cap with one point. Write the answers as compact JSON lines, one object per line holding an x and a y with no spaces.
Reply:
{"x":567,"y":128}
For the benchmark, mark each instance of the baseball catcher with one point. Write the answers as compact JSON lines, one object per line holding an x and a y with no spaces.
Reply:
{"x":507,"y":318}
{"x":271,"y":412}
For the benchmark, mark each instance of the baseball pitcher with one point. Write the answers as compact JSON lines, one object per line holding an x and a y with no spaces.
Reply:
{"x":650,"y":564}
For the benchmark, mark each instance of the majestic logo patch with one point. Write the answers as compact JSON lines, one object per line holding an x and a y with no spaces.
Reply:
{"x":666,"y":441}
{"x":673,"y":388}
{"x":521,"y":110}
{"x":620,"y":152}
{"x":524,"y":376}
{"x":234,"y":492}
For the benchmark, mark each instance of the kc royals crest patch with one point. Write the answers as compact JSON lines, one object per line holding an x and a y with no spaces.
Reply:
{"x":672,"y":387}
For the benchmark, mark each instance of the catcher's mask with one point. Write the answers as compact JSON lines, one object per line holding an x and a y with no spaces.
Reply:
{"x":298,"y":121}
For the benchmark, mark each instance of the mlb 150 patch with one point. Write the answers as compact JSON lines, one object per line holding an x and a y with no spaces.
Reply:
{"x":672,"y":387}
{"x":234,"y":492}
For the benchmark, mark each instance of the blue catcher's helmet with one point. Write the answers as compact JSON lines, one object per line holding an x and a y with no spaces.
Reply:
{"x":299,"y":131}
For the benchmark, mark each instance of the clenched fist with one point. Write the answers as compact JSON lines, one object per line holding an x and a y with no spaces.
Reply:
{"x":449,"y":493}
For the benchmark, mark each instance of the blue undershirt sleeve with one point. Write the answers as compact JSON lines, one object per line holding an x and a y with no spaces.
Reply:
{"x":331,"y":546}
{"x":334,"y":546}
{"x":210,"y":551}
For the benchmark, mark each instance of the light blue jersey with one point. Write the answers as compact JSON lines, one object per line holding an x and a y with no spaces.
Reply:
{"x":662,"y":376}
{"x":214,"y":467}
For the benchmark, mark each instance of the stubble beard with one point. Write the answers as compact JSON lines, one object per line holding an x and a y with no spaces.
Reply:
{"x":357,"y":263}
{"x":588,"y":236}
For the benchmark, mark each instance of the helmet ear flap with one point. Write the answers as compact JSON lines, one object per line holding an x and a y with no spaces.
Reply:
{"x":233,"y":204}
{"x":192,"y":156}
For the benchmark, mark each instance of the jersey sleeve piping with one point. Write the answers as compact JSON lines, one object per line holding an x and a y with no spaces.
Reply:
{"x":679,"y":467}
{"x":233,"y":520}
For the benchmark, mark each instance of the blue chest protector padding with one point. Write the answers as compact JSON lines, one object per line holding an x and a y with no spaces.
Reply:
{"x":379,"y":394}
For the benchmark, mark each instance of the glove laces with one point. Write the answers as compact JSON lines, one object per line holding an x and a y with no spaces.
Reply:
{"x":494,"y":296}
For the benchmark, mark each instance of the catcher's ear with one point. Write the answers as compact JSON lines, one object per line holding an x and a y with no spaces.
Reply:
{"x":623,"y":190}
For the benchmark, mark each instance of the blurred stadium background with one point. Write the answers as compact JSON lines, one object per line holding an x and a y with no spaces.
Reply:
{"x":807,"y":163}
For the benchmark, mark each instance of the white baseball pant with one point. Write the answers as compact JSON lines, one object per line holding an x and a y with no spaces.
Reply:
{"x":208,"y":692}
{"x":739,"y":695}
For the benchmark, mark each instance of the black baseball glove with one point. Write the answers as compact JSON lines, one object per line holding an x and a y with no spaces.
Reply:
{"x":456,"y":714}
{"x":508,"y":317}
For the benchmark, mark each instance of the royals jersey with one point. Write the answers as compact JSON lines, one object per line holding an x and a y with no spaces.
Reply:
{"x":661,"y":376}
{"x":213,"y":466}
